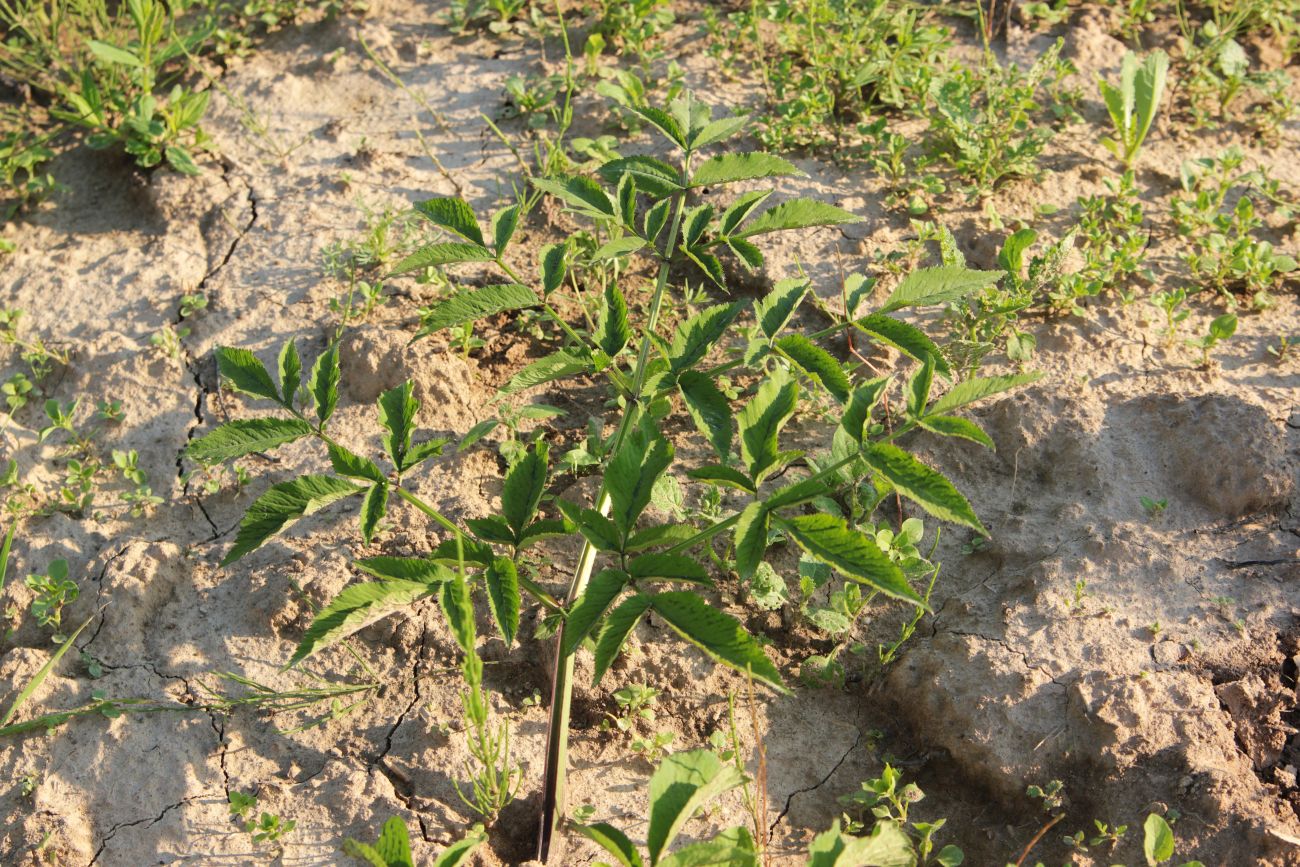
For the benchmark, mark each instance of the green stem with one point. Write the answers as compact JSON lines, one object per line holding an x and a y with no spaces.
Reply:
{"x":557,"y":748}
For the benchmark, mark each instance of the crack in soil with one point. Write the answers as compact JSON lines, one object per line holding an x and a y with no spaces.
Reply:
{"x":824,"y":780}
{"x":112,"y":832}
{"x":401,"y":782}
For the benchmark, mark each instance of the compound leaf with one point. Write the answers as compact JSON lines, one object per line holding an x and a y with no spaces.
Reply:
{"x":761,"y":421}
{"x":355,"y":608}
{"x":829,"y":539}
{"x":437,"y":255}
{"x":938,"y":285}
{"x":242,"y":437}
{"x":324,"y":383}
{"x":774,"y":310}
{"x":613,"y":635}
{"x":817,"y":363}
{"x":397,"y":409}
{"x":602,"y":590}
{"x":471,"y":305}
{"x":454,"y":215}
{"x":696,"y":336}
{"x":926,"y":487}
{"x":502,"y":579}
{"x":283,"y":504}
{"x":729,"y":168}
{"x":978,"y":388}
{"x":719,"y":635}
{"x":797,"y":214}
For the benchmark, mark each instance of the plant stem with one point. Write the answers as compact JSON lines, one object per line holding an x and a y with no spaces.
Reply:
{"x":557,"y":748}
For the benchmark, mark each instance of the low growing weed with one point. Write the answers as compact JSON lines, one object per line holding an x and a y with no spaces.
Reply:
{"x":656,"y":375}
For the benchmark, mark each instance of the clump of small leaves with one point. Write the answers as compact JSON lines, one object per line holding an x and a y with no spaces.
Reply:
{"x":53,"y":591}
{"x":889,"y":801}
{"x":393,"y":848}
{"x":656,"y":373}
{"x":1221,"y":328}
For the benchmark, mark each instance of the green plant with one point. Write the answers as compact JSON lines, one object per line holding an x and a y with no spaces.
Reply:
{"x":889,"y":802}
{"x":1158,"y":842}
{"x":1282,"y":349}
{"x":393,"y":848}
{"x":53,"y":590}
{"x":16,"y":390}
{"x":1134,"y":103}
{"x":1221,"y":328}
{"x":167,"y":340}
{"x":644,"y":211}
{"x":1171,"y":303}
{"x":1153,"y":508}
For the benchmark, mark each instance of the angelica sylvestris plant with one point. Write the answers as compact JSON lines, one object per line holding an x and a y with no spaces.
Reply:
{"x":663,"y":377}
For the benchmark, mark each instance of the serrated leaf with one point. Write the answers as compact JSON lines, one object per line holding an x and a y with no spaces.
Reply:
{"x":581,"y":194}
{"x":714,"y":474}
{"x":613,"y":634}
{"x":492,"y":528}
{"x":245,"y":437}
{"x":938,"y":285}
{"x":323,"y":383}
{"x":747,"y":253}
{"x":553,"y":267}
{"x":708,"y":408}
{"x":619,"y":247}
{"x":954,"y":426}
{"x":659,"y":534}
{"x":552,"y":367}
{"x":817,"y":363}
{"x":861,"y":403}
{"x":926,"y":487}
{"x":504,"y":223}
{"x":470,"y":305}
{"x":604,"y":587}
{"x":477,"y":432}
{"x":631,"y":476}
{"x":397,"y":409}
{"x":719,"y":635}
{"x":355,"y":608}
{"x":907,"y":339}
{"x":718,"y":130}
{"x":594,"y":527}
{"x":451,"y":552}
{"x":851,"y":552}
{"x":373,"y":508}
{"x":393,"y":849}
{"x":454,"y":215}
{"x":345,"y":463}
{"x":246,"y":373}
{"x":671,"y":567}
{"x":290,"y":372}
{"x":524,"y":485}
{"x":684,"y":784}
{"x":797,"y":214}
{"x":662,"y":121}
{"x":978,"y":388}
{"x":545,"y":529}
{"x":502,"y":579}
{"x":761,"y":421}
{"x":422,"y":451}
{"x":405,"y":569}
{"x":283,"y":504}
{"x":918,"y":389}
{"x":453,"y":596}
{"x":614,"y":330}
{"x":729,"y":168}
{"x":437,"y":255}
{"x":654,"y":176}
{"x":697,"y":335}
{"x":740,"y":209}
{"x":774,"y":310}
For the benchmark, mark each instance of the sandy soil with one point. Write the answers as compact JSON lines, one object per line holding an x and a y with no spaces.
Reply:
{"x":1007,"y":684}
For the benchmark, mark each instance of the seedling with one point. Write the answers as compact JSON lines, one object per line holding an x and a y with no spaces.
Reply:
{"x":53,"y":591}
{"x":1134,"y":103}
{"x":1282,"y":349}
{"x":393,"y":848}
{"x":1221,"y":328}
{"x":1154,"y":508}
{"x":1171,"y":303}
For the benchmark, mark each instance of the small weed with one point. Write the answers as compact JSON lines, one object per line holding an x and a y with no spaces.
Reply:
{"x":1134,"y":103}
{"x":53,"y":591}
{"x":1221,"y":328}
{"x":1154,"y":508}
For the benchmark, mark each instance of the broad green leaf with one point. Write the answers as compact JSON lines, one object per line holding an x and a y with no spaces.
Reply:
{"x":470,"y":305}
{"x":373,"y":508}
{"x":492,"y":528}
{"x":774,"y":310}
{"x":613,"y":329}
{"x":113,"y":54}
{"x":797,"y":214}
{"x":926,"y":487}
{"x":708,"y":408}
{"x":613,"y":635}
{"x":673,"y":567}
{"x":978,"y":388}
{"x":290,"y":372}
{"x":545,"y":529}
{"x":733,"y":847}
{"x":525,"y":483}
{"x":659,"y":534}
{"x":861,"y":403}
{"x":345,"y":463}
{"x":662,"y":121}
{"x":654,"y":176}
{"x":719,"y":635}
{"x":422,"y":451}
{"x":632,"y":474}
{"x":452,"y":552}
{"x":817,"y":363}
{"x":504,"y":223}
{"x":477,"y":432}
{"x":355,"y":608}
{"x":437,"y":255}
{"x":907,"y":339}
{"x":543,"y":370}
{"x":594,"y":527}
{"x":397,"y":408}
{"x":697,"y":335}
{"x":553,"y":267}
{"x":954,"y":426}
{"x":324,"y":383}
{"x":718,"y":130}
{"x":619,"y":247}
{"x":246,"y":373}
{"x":802,"y":491}
{"x":730,"y":477}
{"x":283,"y":504}
{"x":393,"y":849}
{"x":453,"y":596}
{"x":887,"y":846}
{"x":729,"y":168}
{"x":455,"y":854}
{"x":502,"y":581}
{"x":613,"y":841}
{"x":683,"y":785}
{"x":740,"y":209}
{"x":454,"y":215}
{"x":581,"y":194}
{"x":1157,"y":840}
{"x":749,"y":254}
{"x":242,"y":437}
{"x":851,"y":552}
{"x":761,"y":421}
{"x":405,"y":569}
{"x":938,"y":285}
{"x":604,"y":587}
